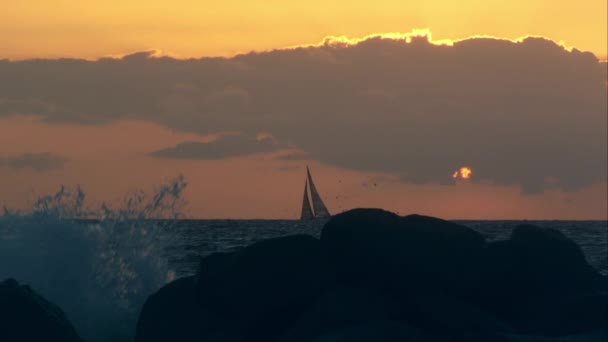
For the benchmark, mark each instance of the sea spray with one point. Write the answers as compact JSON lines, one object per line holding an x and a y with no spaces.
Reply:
{"x":98,"y":265}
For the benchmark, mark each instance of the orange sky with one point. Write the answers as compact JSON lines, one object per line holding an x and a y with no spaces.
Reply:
{"x":110,"y":164}
{"x":186,"y":28}
{"x":112,"y":159}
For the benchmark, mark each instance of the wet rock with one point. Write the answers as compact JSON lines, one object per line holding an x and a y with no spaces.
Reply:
{"x":27,"y":316}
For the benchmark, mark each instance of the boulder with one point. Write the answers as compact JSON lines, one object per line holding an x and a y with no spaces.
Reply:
{"x":581,"y":314}
{"x":338,"y":309}
{"x":373,"y":247}
{"x":535,"y":276}
{"x":450,"y":317}
{"x":380,"y":331}
{"x":173,"y":313}
{"x":376,"y":276}
{"x":597,"y":336}
{"x":568,"y":315}
{"x":26,"y":316}
{"x":261,"y":289}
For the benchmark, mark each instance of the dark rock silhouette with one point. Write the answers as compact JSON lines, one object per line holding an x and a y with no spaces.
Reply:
{"x":451,"y":317}
{"x":263,"y":287}
{"x":538,"y":279}
{"x":26,"y":316}
{"x":336,"y":309}
{"x":384,"y":250}
{"x":376,"y":276}
{"x":576,"y":314}
{"x":385,"y":331}
{"x":172,"y":309}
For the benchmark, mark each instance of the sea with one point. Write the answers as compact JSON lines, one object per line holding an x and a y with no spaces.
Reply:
{"x":99,"y":266}
{"x":197,"y":238}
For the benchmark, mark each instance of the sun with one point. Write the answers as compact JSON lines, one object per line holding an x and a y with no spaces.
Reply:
{"x":464,"y":172}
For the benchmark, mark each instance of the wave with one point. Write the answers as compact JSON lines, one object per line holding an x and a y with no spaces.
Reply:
{"x":98,"y":265}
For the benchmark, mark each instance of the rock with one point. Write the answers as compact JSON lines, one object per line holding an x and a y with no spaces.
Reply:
{"x":597,"y":336}
{"x":444,"y":316}
{"x":380,"y":331}
{"x":173,"y":312}
{"x":570,"y":315}
{"x":528,"y":278}
{"x":373,"y":247}
{"x":584,"y":313}
{"x":554,"y":259}
{"x":26,"y":316}
{"x":337,"y":309}
{"x":376,"y":276}
{"x":264,"y":287}
{"x":451,"y":317}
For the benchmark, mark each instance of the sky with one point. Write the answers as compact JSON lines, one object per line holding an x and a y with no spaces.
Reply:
{"x":385,"y":101}
{"x":193,"y":28}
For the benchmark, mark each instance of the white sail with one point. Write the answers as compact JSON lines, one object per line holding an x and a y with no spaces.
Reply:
{"x":307,"y":213}
{"x":320,"y":210}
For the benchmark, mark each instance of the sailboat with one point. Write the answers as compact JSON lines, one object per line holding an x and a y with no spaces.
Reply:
{"x":318,"y":208}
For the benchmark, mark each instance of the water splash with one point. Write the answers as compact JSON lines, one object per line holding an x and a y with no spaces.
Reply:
{"x":99,"y":265}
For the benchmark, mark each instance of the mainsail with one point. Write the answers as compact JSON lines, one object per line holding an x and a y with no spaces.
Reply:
{"x":320,"y":210}
{"x":317,"y":203}
{"x":306,"y":210}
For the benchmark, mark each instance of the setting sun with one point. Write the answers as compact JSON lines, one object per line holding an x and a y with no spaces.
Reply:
{"x":463,"y":173}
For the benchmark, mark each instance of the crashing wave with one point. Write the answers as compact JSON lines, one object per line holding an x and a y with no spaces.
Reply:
{"x":99,"y":265}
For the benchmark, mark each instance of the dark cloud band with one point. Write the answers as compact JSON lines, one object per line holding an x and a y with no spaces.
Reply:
{"x":516,"y":112}
{"x":225,"y":147}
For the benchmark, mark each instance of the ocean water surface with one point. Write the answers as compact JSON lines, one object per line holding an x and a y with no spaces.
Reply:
{"x":193,"y":239}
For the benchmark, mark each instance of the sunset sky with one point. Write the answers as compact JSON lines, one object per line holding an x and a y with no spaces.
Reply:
{"x":191,"y":28}
{"x":500,"y":114}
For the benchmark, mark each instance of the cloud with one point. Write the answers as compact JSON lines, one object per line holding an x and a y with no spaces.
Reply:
{"x":515,"y":112}
{"x":34,"y":161}
{"x":224,"y":147}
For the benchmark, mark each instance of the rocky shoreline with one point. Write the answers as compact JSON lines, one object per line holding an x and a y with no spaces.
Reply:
{"x":372,"y":276}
